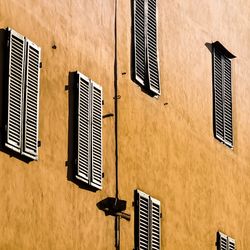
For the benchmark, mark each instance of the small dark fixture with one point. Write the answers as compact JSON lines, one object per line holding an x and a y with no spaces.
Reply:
{"x":114,"y":207}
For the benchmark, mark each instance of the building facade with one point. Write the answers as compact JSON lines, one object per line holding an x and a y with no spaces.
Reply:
{"x":162,"y":145}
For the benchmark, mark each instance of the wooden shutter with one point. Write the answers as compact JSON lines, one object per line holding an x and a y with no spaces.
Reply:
{"x":83,"y":117}
{"x":143,"y":221}
{"x":152,"y":53}
{"x":231,"y":244}
{"x":228,"y":126}
{"x":31,"y":106}
{"x":15,"y":90}
{"x":218,"y":95}
{"x":222,"y":241}
{"x":96,"y":136}
{"x":139,"y":41}
{"x":155,"y":224}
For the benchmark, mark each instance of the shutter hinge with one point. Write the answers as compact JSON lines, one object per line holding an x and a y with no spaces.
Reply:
{"x":41,"y":65}
{"x":102,"y":174}
{"x":161,"y":215}
{"x":102,"y":102}
{"x":133,"y":204}
{"x":39,"y":144}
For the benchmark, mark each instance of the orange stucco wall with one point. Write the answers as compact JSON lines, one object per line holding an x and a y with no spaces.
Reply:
{"x":167,"y":151}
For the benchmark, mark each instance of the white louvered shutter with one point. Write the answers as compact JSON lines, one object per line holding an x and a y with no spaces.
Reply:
{"x":15,"y":90}
{"x":84,"y":102}
{"x":143,"y":223}
{"x":228,"y":126}
{"x":96,"y":166}
{"x":152,"y":52}
{"x":218,"y":95}
{"x":231,"y":244}
{"x":222,"y":241}
{"x":31,"y":106}
{"x":139,"y":41}
{"x":155,"y":224}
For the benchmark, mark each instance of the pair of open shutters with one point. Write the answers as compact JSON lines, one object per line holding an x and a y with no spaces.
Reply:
{"x":23,"y":95}
{"x":145,"y":44}
{"x":224,"y":242}
{"x":222,"y":94}
{"x":148,"y":218}
{"x":89,"y":136}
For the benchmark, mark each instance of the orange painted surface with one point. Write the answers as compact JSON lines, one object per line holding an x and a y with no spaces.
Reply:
{"x":167,"y":151}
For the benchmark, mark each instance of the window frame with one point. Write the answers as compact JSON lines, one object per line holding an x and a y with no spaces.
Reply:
{"x":146,"y":70}
{"x":225,"y":242}
{"x":93,"y":172}
{"x":27,"y":78}
{"x":222,"y":94}
{"x":151,"y":217}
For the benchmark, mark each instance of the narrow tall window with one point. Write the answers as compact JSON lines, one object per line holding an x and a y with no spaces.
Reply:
{"x":146,"y":71}
{"x":225,"y":242}
{"x":222,"y":94}
{"x":147,"y":222}
{"x":23,"y":95}
{"x":89,"y":136}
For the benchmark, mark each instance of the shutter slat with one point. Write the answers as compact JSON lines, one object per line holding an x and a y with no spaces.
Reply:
{"x":155,"y":235}
{"x":218,"y":95}
{"x":222,"y":241}
{"x":228,"y":102}
{"x":152,"y":53}
{"x":15,"y":90}
{"x":139,"y":41}
{"x":96,"y":135}
{"x":83,"y":117}
{"x":231,"y":244}
{"x":31,"y":112}
{"x":143,"y":216}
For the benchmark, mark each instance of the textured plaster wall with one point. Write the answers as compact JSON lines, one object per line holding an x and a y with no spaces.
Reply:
{"x":167,"y":151}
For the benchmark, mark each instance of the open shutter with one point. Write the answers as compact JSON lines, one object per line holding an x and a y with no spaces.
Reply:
{"x":222,"y":241}
{"x":143,"y":223}
{"x":152,"y":53}
{"x":155,"y":224}
{"x":15,"y":90}
{"x":218,"y":95}
{"x":139,"y":41}
{"x":96,"y":177}
{"x":31,"y":107}
{"x":231,"y":244}
{"x":228,"y":126}
{"x":83,"y":117}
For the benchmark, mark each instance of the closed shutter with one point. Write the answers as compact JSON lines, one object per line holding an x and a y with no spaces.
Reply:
{"x":31,"y":108}
{"x":143,"y":223}
{"x":231,"y":244}
{"x":15,"y":90}
{"x":155,"y":224}
{"x":96,"y":135}
{"x":139,"y":41}
{"x":228,"y":127}
{"x":222,"y":243}
{"x":218,"y":95}
{"x":152,"y":53}
{"x":83,"y":117}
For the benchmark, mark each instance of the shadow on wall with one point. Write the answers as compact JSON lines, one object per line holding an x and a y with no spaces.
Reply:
{"x":72,"y":133}
{"x":4,"y":97}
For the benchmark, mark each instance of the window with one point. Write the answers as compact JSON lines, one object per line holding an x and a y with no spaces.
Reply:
{"x":23,"y":95}
{"x":146,"y":71}
{"x":89,"y":134}
{"x":222,"y":94}
{"x":224,"y":242}
{"x":147,"y":222}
